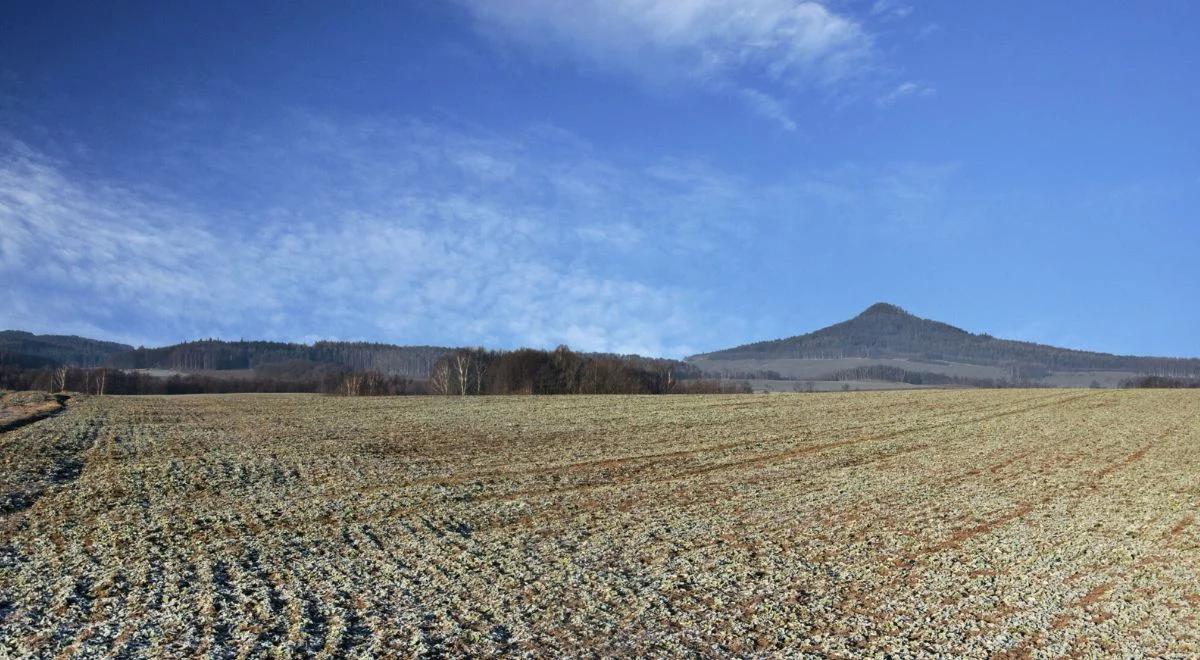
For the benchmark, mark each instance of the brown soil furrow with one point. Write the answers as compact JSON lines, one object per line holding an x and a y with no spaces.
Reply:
{"x":1093,"y":596}
{"x":963,"y":535}
{"x":776,"y":457}
{"x":1024,"y":508}
{"x":682,"y":453}
{"x":1173,"y":533}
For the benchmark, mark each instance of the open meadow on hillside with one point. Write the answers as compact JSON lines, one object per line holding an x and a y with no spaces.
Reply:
{"x":963,"y":522}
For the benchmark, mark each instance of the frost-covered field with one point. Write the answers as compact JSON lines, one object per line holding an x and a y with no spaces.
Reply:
{"x":951,"y":522}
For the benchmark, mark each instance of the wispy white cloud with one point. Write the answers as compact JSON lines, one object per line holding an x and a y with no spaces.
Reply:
{"x":703,"y":39}
{"x":405,"y":233}
{"x":56,"y":232}
{"x":891,"y":9}
{"x":723,"y":45}
{"x":769,"y":107}
{"x":928,"y":30}
{"x":907,"y":89}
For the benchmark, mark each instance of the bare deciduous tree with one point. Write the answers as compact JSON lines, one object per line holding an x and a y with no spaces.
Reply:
{"x":480,"y":368}
{"x":353,"y":383}
{"x":439,"y":378}
{"x":60,"y":378}
{"x":462,"y":367}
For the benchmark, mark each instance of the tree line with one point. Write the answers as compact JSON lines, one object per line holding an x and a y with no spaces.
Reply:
{"x":475,"y":371}
{"x":458,"y":372}
{"x":220,"y":355}
{"x":1164,"y":382}
{"x":746,"y":374}
{"x":104,"y":380}
{"x":897,"y":375}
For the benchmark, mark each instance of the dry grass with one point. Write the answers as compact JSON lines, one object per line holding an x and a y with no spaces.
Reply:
{"x":952,"y":522}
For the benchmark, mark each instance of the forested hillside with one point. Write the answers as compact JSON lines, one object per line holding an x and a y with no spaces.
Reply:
{"x":25,"y":349}
{"x":887,"y":331}
{"x":57,"y":363}
{"x":211,"y":354}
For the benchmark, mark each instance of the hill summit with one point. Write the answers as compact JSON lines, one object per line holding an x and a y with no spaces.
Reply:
{"x":882,"y":308}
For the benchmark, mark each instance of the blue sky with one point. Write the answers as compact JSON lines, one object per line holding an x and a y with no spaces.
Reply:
{"x":652,"y":176}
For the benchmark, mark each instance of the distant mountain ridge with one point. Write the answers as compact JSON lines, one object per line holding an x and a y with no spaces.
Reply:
{"x":884,"y":330}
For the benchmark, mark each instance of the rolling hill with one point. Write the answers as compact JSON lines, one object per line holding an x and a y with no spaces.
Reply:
{"x":25,"y":349}
{"x":217,"y":355}
{"x":885,"y":335}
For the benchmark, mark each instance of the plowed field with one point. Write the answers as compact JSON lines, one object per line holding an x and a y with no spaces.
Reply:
{"x":1039,"y":522}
